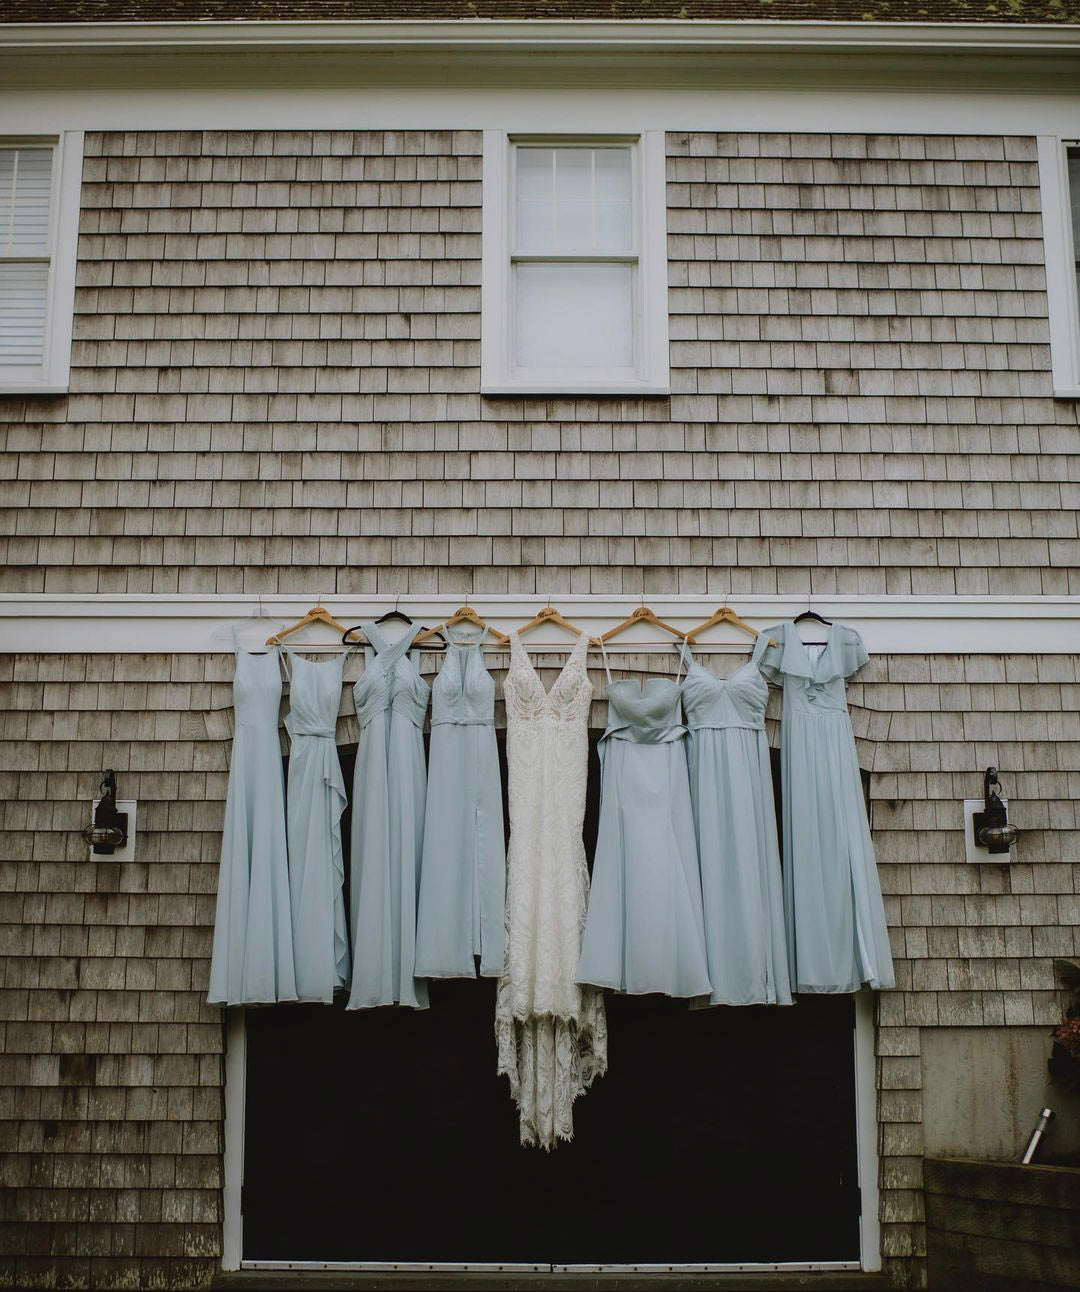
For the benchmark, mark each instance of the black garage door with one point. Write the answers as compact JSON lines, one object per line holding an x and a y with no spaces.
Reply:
{"x":717,"y":1136}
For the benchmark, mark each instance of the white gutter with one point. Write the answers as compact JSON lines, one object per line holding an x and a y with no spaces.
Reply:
{"x":547,"y":34}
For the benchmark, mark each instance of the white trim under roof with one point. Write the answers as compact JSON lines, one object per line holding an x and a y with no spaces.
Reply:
{"x":545,"y":34}
{"x":87,"y":623}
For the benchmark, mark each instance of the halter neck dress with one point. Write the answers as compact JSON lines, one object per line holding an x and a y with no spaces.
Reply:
{"x":645,"y":929}
{"x":461,"y":907}
{"x":389,"y":787}
{"x":252,"y":960}
{"x":735,"y":823}
{"x":316,"y":800}
{"x":837,"y":936}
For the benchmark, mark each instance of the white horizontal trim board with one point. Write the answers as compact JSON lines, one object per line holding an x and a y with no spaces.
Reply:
{"x":77,"y":623}
{"x":540,"y":33}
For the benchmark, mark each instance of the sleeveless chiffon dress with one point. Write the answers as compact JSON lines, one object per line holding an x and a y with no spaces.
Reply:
{"x":461,"y":907}
{"x":316,"y":800}
{"x":252,"y":958}
{"x":731,"y":789}
{"x":836,"y":931}
{"x":551,"y":1033}
{"x":387,"y":835}
{"x":645,"y":928}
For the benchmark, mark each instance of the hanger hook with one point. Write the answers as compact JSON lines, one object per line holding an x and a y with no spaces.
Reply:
{"x":397,"y":602}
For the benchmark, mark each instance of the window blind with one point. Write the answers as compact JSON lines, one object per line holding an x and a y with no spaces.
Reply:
{"x":25,"y":195}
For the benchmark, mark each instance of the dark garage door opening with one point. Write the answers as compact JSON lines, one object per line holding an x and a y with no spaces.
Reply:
{"x":717,"y":1136}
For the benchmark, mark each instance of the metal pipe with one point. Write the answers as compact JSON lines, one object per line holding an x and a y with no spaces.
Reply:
{"x":1037,"y":1135}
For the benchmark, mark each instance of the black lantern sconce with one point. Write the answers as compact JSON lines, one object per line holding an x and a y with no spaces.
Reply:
{"x":110,"y":829}
{"x":992,"y":828}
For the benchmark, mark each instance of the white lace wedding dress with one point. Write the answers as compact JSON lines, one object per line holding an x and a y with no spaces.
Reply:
{"x":551,"y":1032}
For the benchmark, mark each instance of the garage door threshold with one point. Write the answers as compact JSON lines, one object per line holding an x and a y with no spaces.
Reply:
{"x":495,"y":1281}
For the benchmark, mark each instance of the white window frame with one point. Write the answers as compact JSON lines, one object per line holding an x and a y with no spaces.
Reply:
{"x":52,"y":375}
{"x":1060,"y":255}
{"x":651,"y":375}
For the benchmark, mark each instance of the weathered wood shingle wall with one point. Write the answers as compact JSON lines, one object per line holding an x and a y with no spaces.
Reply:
{"x":275,"y":381}
{"x":111,"y":1098}
{"x":275,"y":387}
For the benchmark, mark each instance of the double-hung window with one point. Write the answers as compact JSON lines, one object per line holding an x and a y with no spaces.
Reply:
{"x":575,"y":268}
{"x":39,"y":211}
{"x":1059,"y":183}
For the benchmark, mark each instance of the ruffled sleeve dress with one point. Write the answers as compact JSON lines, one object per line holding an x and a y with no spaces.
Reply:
{"x":836,"y":931}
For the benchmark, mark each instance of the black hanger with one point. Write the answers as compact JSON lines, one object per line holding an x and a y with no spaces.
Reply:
{"x":438,"y":642}
{"x":815,"y":618}
{"x":394,"y":614}
{"x":812,"y":614}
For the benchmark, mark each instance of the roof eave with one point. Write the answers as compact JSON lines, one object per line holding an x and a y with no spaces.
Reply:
{"x":640,"y":35}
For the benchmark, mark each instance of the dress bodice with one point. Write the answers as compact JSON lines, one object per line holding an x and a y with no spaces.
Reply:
{"x":464,"y":691}
{"x":714,"y":702}
{"x":649,"y":715}
{"x":257,"y":689}
{"x":314,"y":696}
{"x":570,"y":694}
{"x":813,"y":686}
{"x":390,"y":679}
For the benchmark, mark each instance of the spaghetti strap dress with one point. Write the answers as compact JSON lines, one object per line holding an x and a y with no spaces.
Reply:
{"x":644,"y":931}
{"x":837,"y":936}
{"x":461,"y":909}
{"x":731,"y":789}
{"x":316,"y":800}
{"x":252,"y":959}
{"x":387,"y":836}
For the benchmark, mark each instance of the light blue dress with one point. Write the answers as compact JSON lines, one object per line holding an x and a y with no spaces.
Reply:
{"x":316,"y":800}
{"x":735,"y":822}
{"x":461,"y":911}
{"x":389,"y":785}
{"x":252,"y":961}
{"x":644,"y":931}
{"x":837,"y":937}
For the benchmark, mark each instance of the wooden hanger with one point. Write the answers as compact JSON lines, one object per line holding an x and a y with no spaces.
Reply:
{"x":549,"y":615}
{"x":725,"y":615}
{"x":643,"y":615}
{"x":465,"y":615}
{"x":316,"y":615}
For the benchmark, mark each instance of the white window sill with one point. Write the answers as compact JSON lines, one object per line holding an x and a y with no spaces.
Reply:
{"x":529,"y":390}
{"x":1067,"y":394}
{"x":30,"y":388}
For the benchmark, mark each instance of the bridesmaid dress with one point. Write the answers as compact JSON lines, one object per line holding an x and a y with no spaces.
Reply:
{"x":645,"y":929}
{"x":316,"y":800}
{"x":735,"y":821}
{"x":252,"y":960}
{"x":551,"y":1034}
{"x":461,"y":909}
{"x":837,"y":937}
{"x":389,"y":785}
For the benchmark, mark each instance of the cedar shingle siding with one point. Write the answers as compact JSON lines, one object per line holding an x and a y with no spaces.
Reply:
{"x":275,"y":383}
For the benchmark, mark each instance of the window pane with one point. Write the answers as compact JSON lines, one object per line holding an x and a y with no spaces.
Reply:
{"x":574,"y":227}
{"x":576,"y":201}
{"x":573,"y":316}
{"x":22,"y":312}
{"x":573,"y":172}
{"x":25,"y":184}
{"x":613,"y":173}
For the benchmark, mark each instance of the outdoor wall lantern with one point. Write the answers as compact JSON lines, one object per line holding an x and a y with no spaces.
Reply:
{"x":110,"y":827}
{"x":992,"y":828}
